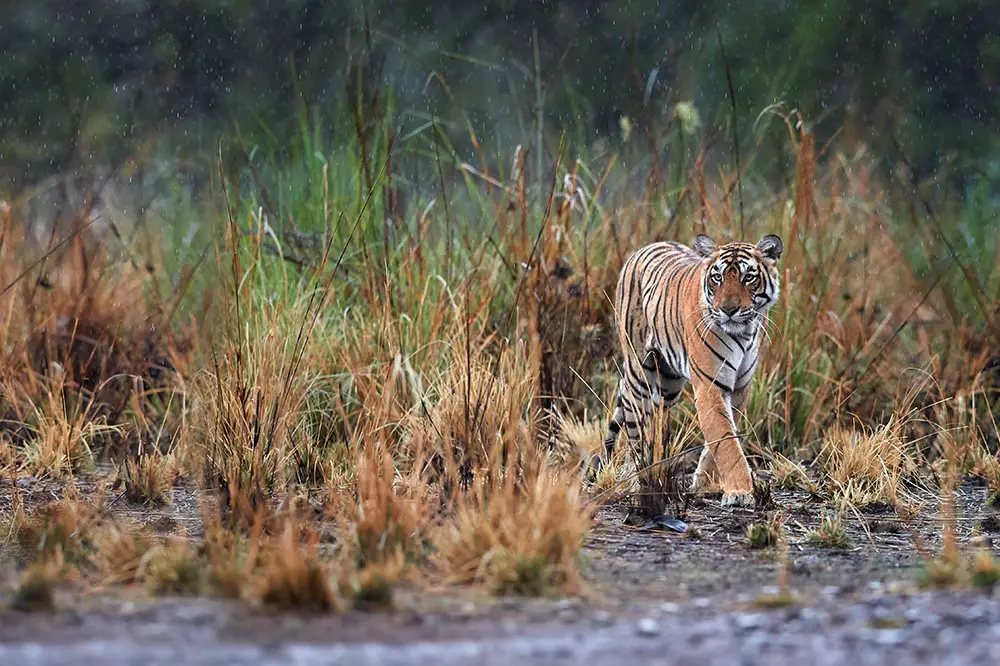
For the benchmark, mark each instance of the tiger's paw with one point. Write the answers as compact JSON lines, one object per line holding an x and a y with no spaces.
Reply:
{"x":737,"y":499}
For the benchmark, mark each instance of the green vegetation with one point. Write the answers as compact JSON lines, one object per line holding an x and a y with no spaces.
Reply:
{"x":375,"y":337}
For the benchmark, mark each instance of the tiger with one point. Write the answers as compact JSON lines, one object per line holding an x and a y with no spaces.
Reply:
{"x":694,"y":314}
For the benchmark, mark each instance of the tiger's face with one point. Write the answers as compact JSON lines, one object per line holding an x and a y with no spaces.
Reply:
{"x":740,"y":282}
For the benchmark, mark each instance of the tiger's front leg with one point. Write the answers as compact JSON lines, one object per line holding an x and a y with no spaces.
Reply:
{"x":722,"y":462}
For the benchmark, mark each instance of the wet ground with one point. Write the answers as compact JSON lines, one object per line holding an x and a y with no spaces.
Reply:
{"x":869,"y":626}
{"x":658,"y":597}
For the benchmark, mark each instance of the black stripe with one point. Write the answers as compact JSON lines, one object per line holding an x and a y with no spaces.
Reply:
{"x":638,"y":388}
{"x":737,"y":340}
{"x":722,"y":387}
{"x":723,"y":340}
{"x":660,"y":366}
{"x":725,"y":361}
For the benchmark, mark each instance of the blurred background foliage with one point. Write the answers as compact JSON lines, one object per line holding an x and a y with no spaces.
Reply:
{"x":85,"y":81}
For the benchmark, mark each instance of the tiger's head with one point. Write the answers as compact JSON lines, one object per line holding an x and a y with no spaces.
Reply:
{"x":739,"y":281}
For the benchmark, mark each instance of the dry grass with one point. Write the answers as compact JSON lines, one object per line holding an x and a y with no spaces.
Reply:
{"x":868,"y":465}
{"x":954,"y":571}
{"x":520,"y":537}
{"x":293,"y":577}
{"x":789,"y":475}
{"x":118,"y":552}
{"x":171,"y":569}
{"x":372,"y":589}
{"x":36,"y":590}
{"x":436,"y":402}
{"x":60,"y":529}
{"x":147,"y":478}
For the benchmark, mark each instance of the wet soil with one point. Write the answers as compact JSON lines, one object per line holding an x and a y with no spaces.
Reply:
{"x":660,"y":597}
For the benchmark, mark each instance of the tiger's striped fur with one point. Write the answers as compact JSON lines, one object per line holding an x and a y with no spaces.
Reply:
{"x":694,"y":315}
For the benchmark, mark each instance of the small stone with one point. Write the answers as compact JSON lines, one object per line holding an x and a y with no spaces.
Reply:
{"x":889,"y":636}
{"x":25,"y":482}
{"x":982,"y":541}
{"x":647,"y":626}
{"x":603,"y":618}
{"x":769,"y":590}
{"x":670,"y":607}
{"x":748,"y":620}
{"x":704,"y":602}
{"x":566,"y":604}
{"x":831,"y":591}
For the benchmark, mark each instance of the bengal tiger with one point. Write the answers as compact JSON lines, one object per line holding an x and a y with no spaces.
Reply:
{"x":695,"y":315}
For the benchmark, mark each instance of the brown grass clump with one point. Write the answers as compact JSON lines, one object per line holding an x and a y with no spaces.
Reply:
{"x":62,"y":432}
{"x":230,"y":557}
{"x":521,"y":537}
{"x":984,"y":570}
{"x":372,"y":589}
{"x":294,"y":578}
{"x":479,"y":417}
{"x":386,"y":523}
{"x":147,"y":478}
{"x":789,"y":475}
{"x":659,"y":463}
{"x":171,"y":569}
{"x":867,"y":465}
{"x":60,"y":529}
{"x":986,"y":466}
{"x":36,"y":590}
{"x":579,"y":441}
{"x":118,"y":553}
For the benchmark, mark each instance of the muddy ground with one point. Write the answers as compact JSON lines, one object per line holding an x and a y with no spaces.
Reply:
{"x":659,"y":597}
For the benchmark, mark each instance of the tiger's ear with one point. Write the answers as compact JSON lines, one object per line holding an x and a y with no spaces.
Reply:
{"x":704,"y":245}
{"x":770,"y":246}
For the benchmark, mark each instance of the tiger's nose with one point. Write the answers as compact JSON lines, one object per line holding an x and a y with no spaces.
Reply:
{"x":729,"y":310}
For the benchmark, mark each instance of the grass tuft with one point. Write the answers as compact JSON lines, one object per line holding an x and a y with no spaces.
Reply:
{"x":830,"y":533}
{"x":293,"y":577}
{"x":118,"y":553}
{"x":984,"y":571}
{"x":147,"y":478}
{"x":766,"y":534}
{"x":372,"y":590}
{"x":37,"y":588}
{"x":172,"y":569}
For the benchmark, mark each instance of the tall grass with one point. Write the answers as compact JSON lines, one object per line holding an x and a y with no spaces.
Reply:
{"x":409,"y":354}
